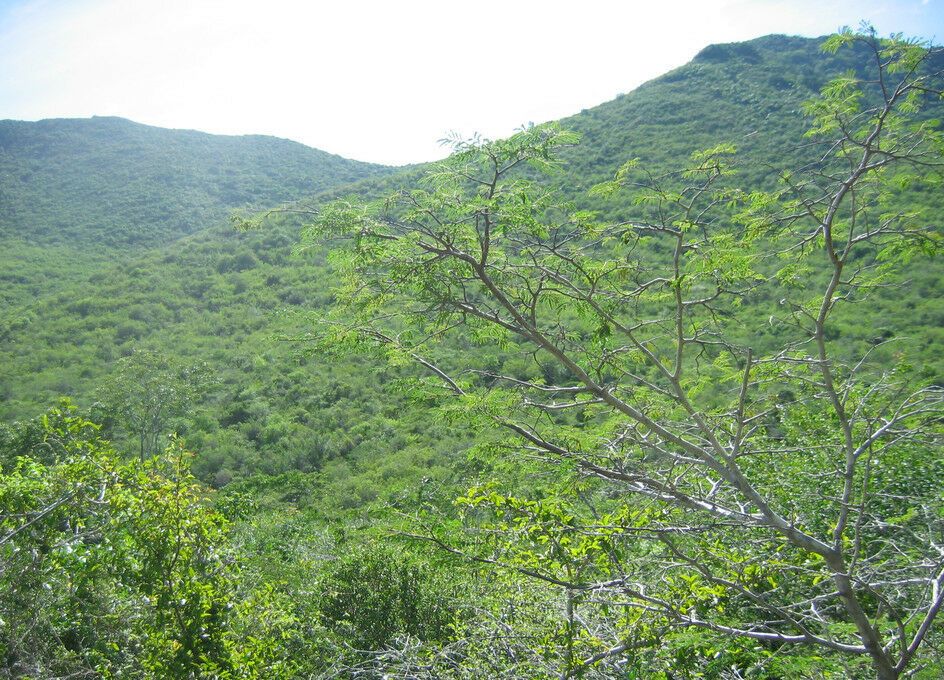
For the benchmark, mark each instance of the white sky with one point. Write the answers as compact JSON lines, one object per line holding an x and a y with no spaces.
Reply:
{"x":372,"y":80}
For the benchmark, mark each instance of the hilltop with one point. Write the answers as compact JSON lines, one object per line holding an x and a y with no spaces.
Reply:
{"x":78,"y":194}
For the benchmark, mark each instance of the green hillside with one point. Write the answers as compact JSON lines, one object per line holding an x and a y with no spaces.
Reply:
{"x":126,"y":290}
{"x":106,"y":183}
{"x":204,"y":293}
{"x":76,"y":195}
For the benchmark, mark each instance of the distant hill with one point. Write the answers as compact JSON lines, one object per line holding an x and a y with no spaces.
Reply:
{"x":110,"y":182}
{"x":78,"y":194}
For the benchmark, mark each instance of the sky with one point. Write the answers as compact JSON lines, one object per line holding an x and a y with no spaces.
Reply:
{"x":378,"y":81}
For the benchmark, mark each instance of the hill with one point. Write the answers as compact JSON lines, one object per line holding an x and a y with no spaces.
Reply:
{"x":77,"y":194}
{"x":221,"y":297}
{"x":112,"y":183}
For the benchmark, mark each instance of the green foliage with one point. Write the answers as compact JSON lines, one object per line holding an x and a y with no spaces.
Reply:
{"x":663,"y":393}
{"x":146,"y":392}
{"x":110,"y":568}
{"x":191,"y":301}
{"x":311,"y":449}
{"x":108,"y":183}
{"x":374,"y":595}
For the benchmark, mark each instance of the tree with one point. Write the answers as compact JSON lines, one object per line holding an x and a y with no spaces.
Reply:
{"x":108,"y":567}
{"x":763,"y":480}
{"x":146,"y":392}
{"x":373,"y":595}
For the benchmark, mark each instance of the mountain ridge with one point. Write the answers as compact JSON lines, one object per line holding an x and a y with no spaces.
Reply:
{"x":121,"y":120}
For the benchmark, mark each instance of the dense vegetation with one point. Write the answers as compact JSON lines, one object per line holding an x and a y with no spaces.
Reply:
{"x":299,"y":564}
{"x":111,"y":183}
{"x":76,"y":195}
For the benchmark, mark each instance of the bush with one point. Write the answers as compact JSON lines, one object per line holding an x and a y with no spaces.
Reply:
{"x":376,"y":594}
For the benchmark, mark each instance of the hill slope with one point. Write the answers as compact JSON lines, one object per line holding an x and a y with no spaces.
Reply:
{"x":77,"y":194}
{"x":109,"y":182}
{"x":327,"y":461}
{"x":221,"y":297}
